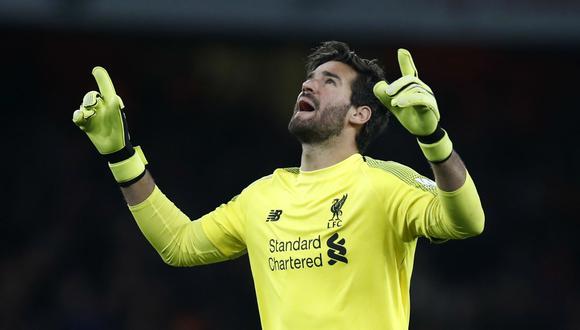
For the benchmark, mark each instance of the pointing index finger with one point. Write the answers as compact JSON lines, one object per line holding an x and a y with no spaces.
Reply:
{"x":104,"y":82}
{"x":406,"y":63}
{"x":380,"y":91}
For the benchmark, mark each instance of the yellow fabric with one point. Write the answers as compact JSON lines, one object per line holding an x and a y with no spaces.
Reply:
{"x":348,"y":269}
{"x":464,"y":209}
{"x":179,"y":241}
{"x":329,"y":249}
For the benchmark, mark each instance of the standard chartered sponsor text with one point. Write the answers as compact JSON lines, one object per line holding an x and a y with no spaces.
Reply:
{"x":286,"y":262}
{"x":294,"y":245}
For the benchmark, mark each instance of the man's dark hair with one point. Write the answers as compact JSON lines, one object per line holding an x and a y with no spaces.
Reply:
{"x":368,"y":74}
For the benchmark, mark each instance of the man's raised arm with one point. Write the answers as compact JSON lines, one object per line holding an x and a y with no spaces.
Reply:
{"x":179,"y":241}
{"x":414,"y":105}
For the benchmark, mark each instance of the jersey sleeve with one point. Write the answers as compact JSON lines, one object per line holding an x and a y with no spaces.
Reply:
{"x":419,"y":214}
{"x":417,"y":208}
{"x":182,"y":242}
{"x":412,"y":205}
{"x":426,"y":211}
{"x":460,"y":213}
{"x":224,"y":227}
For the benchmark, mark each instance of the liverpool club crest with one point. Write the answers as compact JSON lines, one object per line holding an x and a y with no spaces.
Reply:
{"x":336,"y":210}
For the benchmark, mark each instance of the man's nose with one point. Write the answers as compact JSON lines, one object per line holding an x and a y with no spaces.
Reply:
{"x":309,"y":86}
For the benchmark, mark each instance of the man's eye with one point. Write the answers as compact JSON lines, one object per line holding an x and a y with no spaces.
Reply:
{"x":330,"y":81}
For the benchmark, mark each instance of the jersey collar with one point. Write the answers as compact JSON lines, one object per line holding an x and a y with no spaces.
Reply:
{"x":331,"y":172}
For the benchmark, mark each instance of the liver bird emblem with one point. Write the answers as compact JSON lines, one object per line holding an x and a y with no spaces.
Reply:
{"x":336,"y":207}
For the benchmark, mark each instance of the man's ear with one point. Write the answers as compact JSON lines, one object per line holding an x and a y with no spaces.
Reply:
{"x":360,"y":115}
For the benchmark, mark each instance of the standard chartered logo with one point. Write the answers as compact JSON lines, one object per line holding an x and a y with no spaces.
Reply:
{"x":303,"y":253}
{"x":299,"y":244}
{"x":336,"y":251}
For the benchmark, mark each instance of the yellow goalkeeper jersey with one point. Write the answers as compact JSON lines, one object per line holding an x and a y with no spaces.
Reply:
{"x":332,"y":248}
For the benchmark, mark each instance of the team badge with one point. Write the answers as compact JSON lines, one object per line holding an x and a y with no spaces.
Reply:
{"x":336,"y":210}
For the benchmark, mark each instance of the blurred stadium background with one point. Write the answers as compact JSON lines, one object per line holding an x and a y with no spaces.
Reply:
{"x":209,"y":88}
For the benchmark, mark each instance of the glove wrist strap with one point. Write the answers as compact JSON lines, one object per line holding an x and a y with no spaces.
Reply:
{"x":436,"y":147}
{"x":434,"y":137}
{"x":118,"y":156}
{"x":131,"y":169}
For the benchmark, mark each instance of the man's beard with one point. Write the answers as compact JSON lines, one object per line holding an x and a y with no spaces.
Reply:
{"x":319,"y":129}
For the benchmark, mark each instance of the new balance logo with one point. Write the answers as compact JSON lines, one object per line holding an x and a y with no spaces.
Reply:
{"x":336,"y":251}
{"x":274,"y":215}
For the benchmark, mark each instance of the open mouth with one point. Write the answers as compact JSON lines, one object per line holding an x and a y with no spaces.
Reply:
{"x":305,"y":105}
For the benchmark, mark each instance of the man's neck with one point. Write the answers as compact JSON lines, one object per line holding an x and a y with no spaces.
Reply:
{"x":328,"y":153}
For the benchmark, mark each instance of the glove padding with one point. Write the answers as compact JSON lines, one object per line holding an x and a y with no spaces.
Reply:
{"x":409,"y":99}
{"x":101,"y":117}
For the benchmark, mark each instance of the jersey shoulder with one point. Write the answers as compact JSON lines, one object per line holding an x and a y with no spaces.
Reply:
{"x":260,"y":183}
{"x":254,"y":186}
{"x":289,"y":170}
{"x":401,"y":172}
{"x":280,"y":174}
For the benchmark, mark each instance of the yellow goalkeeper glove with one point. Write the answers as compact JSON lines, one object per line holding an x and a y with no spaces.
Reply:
{"x":102,"y":118}
{"x":414,"y":105}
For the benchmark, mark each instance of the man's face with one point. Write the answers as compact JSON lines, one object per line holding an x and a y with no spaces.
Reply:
{"x":322,"y":105}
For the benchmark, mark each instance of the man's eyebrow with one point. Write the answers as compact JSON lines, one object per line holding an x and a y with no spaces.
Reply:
{"x":324,"y":73}
{"x":330,"y":74}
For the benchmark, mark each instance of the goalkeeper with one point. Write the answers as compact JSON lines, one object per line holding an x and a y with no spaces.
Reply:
{"x":331,"y":243}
